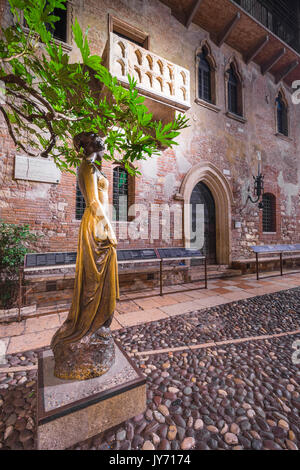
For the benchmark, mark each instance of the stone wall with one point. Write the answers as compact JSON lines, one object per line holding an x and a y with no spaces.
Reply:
{"x":229,"y":144}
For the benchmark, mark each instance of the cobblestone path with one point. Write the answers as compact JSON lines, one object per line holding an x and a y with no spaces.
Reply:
{"x":220,"y":378}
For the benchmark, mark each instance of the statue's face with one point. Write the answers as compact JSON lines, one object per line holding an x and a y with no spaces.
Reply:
{"x":93,"y":146}
{"x":95,"y":156}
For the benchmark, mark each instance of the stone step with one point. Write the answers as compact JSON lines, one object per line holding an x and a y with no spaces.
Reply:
{"x":217,"y":267}
{"x":216,"y":274}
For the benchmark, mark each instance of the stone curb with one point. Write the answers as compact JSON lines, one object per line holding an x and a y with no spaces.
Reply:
{"x":218,"y":343}
{"x":5,"y":370}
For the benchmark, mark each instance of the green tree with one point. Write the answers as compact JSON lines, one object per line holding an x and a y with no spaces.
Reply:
{"x":15,"y":241}
{"x":48,"y":100}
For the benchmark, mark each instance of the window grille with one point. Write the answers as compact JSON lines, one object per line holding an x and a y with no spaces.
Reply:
{"x":204,"y":77}
{"x":120,"y":194}
{"x":80,"y":203}
{"x":282,"y":119}
{"x":269,"y":213}
{"x":232,"y":91}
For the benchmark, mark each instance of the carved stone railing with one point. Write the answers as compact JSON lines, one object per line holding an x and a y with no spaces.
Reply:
{"x":156,"y":77}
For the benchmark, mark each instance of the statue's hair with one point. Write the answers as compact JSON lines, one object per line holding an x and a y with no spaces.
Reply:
{"x":89,"y":142}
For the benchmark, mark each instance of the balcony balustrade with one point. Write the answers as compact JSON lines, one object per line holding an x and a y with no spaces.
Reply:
{"x":277,"y":16}
{"x":157,"y":78}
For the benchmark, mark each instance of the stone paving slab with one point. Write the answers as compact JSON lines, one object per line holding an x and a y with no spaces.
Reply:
{"x":180,"y":308}
{"x":115,"y":325}
{"x":12,"y":329}
{"x":212,"y":301}
{"x":144,"y":316}
{"x":30,"y":341}
{"x":42,"y":323}
{"x":4,"y":342}
{"x":238,"y":295}
{"x":127,"y":306}
{"x":148,"y":304}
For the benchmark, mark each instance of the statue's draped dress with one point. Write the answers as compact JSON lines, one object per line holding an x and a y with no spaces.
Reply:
{"x":96,"y":282}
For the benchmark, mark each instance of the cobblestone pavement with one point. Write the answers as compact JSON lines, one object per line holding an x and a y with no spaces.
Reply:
{"x":241,"y":394}
{"x":270,"y":314}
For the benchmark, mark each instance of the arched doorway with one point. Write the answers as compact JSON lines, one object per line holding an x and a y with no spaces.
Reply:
{"x":215,"y":181}
{"x":203,"y":221}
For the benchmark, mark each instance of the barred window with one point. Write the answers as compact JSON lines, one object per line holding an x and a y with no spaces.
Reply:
{"x":204,"y":77}
{"x":120,"y":194}
{"x":232,"y":91}
{"x":282,"y":116}
{"x":269,"y":213}
{"x":80,"y":203}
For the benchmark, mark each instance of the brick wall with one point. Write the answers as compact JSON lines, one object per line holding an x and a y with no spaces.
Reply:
{"x":212,"y":136}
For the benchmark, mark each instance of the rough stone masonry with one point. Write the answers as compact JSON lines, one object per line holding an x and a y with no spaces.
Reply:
{"x":231,"y":146}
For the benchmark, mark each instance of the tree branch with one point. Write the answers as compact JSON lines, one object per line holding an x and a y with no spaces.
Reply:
{"x":17,"y":56}
{"x":13,"y":79}
{"x":12,"y":135}
{"x":23,"y":97}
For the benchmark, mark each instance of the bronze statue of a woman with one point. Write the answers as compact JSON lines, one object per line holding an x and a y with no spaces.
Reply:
{"x":83,"y":347}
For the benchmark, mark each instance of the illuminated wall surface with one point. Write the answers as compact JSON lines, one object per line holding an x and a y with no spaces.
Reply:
{"x":233,"y":129}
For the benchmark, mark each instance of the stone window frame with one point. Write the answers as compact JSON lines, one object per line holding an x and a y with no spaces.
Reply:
{"x":213,"y":104}
{"x":271,"y":237}
{"x":79,"y":202}
{"x":130,"y":195}
{"x":66,"y":45}
{"x":233,"y":63}
{"x":285,"y":101}
{"x":118,"y":26}
{"x":273,"y":206}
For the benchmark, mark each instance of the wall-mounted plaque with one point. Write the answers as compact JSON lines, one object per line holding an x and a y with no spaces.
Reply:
{"x":178,"y":252}
{"x":36,"y":169}
{"x":276,"y":248}
{"x":128,"y":255}
{"x":34,"y":260}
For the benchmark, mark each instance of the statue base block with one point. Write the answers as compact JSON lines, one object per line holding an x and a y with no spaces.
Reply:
{"x":71,"y":411}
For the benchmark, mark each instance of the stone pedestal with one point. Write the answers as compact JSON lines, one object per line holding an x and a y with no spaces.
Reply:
{"x":71,"y":411}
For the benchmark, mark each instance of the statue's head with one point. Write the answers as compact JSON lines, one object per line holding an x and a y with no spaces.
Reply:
{"x":91,"y":143}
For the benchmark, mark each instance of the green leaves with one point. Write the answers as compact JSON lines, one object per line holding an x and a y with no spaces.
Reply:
{"x":14,"y":244}
{"x":14,"y":240}
{"x":50,"y":100}
{"x":81,"y":41}
{"x":169,"y":132}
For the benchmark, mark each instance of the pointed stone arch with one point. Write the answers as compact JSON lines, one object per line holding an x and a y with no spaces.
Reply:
{"x":206,"y":47}
{"x":233,"y":64}
{"x":210,"y":56}
{"x":214,"y":179}
{"x":281,"y":94}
